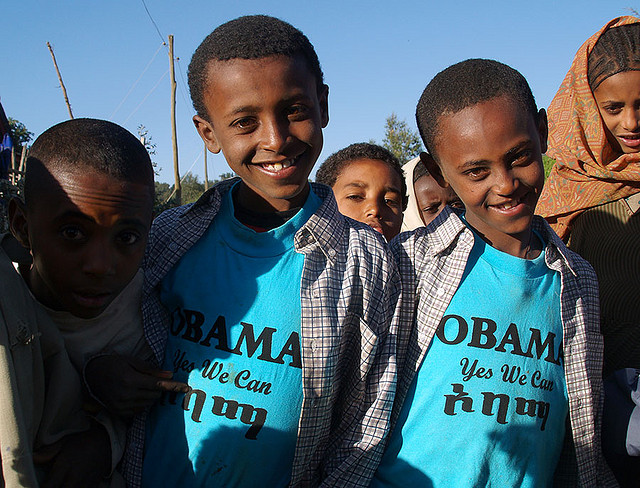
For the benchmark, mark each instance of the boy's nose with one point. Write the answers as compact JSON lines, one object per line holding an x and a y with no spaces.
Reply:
{"x":372,"y":208}
{"x":506,"y":183}
{"x":98,"y":259}
{"x":274,"y":135}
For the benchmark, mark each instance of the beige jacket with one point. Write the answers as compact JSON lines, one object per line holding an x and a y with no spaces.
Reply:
{"x":40,"y":391}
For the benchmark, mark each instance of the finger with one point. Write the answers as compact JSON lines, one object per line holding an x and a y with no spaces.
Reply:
{"x":147,"y":369}
{"x":173,"y":386}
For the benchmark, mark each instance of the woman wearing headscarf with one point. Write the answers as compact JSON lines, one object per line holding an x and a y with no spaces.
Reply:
{"x":591,"y":199}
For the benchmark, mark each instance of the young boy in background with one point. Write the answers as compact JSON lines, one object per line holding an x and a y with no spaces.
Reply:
{"x":431,"y":197}
{"x":425,"y":198}
{"x":368,"y":183}
{"x":271,"y":305}
{"x":89,"y":196}
{"x":501,"y":367}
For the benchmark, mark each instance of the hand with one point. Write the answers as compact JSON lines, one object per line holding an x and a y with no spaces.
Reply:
{"x":78,"y":460}
{"x":126,"y":385}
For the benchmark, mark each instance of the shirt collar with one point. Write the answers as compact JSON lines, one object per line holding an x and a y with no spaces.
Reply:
{"x":443,"y":232}
{"x":557,"y":253}
{"x":324,"y":229}
{"x":450,"y":227}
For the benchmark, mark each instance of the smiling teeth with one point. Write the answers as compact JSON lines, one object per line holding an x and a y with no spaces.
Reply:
{"x":278,"y":166}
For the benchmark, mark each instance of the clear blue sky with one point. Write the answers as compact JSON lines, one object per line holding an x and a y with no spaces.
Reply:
{"x":377,"y":57}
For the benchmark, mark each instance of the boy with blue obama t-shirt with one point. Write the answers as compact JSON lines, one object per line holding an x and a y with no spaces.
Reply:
{"x":500,"y":379}
{"x":274,"y":308}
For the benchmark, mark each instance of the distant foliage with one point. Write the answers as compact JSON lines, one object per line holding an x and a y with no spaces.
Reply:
{"x":403,"y":142}
{"x":192,"y":189}
{"x":19,"y":133}
{"x":145,"y":139}
{"x":20,"y":137}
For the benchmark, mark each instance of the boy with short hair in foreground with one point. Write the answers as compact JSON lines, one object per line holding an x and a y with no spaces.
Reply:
{"x":500,"y":379}
{"x":271,"y":305}
{"x":89,"y":195}
{"x":74,"y":217}
{"x":368,"y":183}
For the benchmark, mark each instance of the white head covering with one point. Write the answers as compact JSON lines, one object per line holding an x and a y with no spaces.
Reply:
{"x":412,"y":218}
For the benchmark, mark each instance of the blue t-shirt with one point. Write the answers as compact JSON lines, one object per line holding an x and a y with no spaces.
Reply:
{"x":234,"y":338}
{"x":488,"y":404}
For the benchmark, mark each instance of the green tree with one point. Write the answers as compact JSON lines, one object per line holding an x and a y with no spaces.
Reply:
{"x":20,"y":137}
{"x":145,"y":139}
{"x":404,"y":143}
{"x":192,"y":189}
{"x":19,"y":133}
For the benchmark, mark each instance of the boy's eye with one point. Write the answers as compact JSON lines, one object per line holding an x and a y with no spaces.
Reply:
{"x":431,"y":209}
{"x":244,"y":124}
{"x":128,"y":238}
{"x":297,"y":111}
{"x":477,"y":173}
{"x":392,"y":202}
{"x":523,"y":158}
{"x":456,"y":204}
{"x":355,"y":198}
{"x":71,"y":233}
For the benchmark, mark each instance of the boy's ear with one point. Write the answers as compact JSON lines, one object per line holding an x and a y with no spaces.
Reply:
{"x":543,"y":129}
{"x":323,"y":99}
{"x":18,"y":222}
{"x":433,"y":169}
{"x":205,"y":129}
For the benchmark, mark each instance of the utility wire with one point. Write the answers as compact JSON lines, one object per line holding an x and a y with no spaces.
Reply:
{"x":146,"y":96}
{"x":152,"y":21}
{"x":182,"y":86}
{"x":137,"y":81}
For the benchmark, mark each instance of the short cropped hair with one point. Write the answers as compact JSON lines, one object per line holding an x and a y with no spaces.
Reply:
{"x":249,"y":37}
{"x":419,"y":170}
{"x":330,"y":170}
{"x":617,"y":50}
{"x":87,"y":143}
{"x":466,"y":84}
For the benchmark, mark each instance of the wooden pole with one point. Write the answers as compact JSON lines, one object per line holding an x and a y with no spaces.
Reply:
{"x":23,"y":157}
{"x":13,"y":166}
{"x":174,"y":134}
{"x":64,"y":90}
{"x":206,"y":175}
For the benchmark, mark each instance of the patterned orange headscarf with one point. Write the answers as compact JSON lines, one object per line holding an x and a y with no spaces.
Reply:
{"x":588,"y":172}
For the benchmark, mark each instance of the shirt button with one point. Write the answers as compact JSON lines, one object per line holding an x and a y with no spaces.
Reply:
{"x":332,"y":253}
{"x":173,"y":246}
{"x":440,"y":292}
{"x":579,"y":402}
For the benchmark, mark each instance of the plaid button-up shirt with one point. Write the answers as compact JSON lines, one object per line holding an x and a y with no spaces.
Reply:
{"x":432,"y":261}
{"x":350,"y":290}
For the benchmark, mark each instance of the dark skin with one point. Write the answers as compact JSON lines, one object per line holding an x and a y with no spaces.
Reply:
{"x":126,"y":385}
